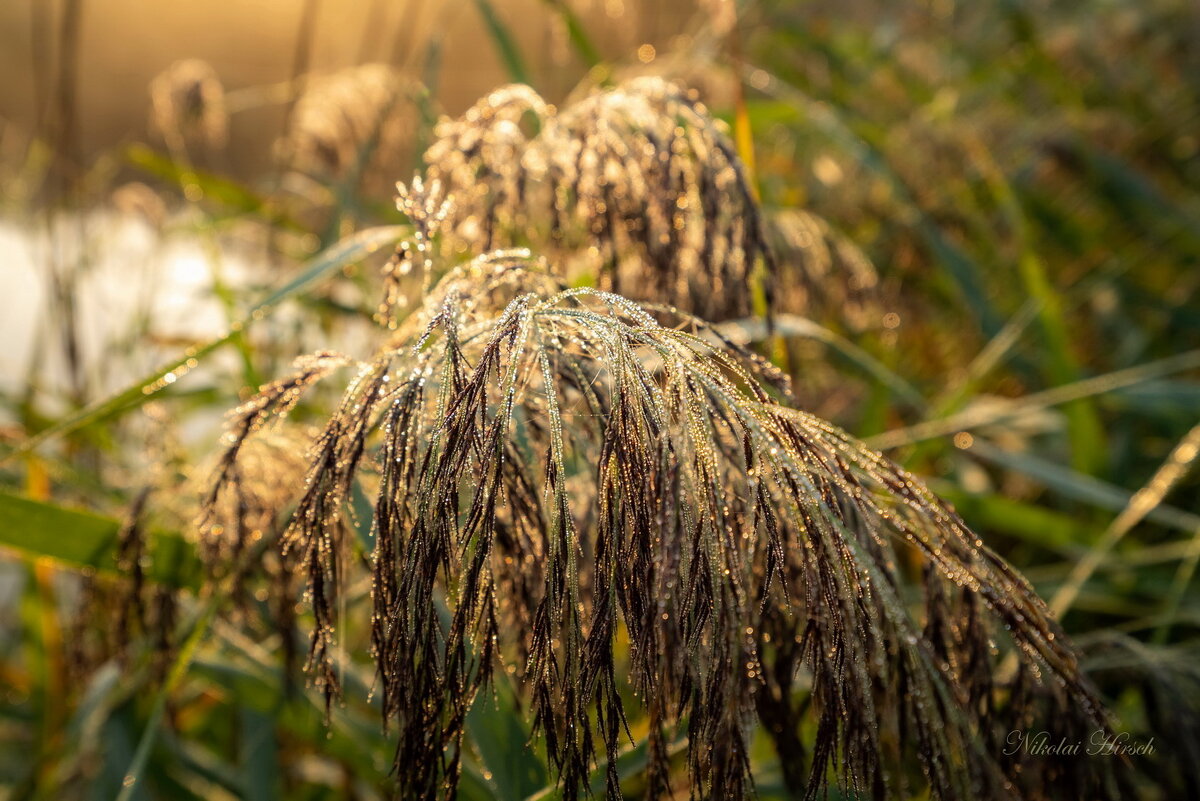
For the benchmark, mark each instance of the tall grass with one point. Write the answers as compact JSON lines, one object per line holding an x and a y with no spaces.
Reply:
{"x":573,"y":487}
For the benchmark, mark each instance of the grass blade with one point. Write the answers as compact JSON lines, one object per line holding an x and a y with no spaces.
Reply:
{"x":1078,"y":487}
{"x":130,"y":784}
{"x":499,"y":733}
{"x":1140,"y":506}
{"x":80,"y":539}
{"x":743,"y":332}
{"x":1086,"y":433}
{"x":347,"y":251}
{"x":510,"y":54}
{"x":1088,"y":387}
{"x":577,"y":33}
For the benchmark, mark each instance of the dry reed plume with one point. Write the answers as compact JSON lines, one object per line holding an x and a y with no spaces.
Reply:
{"x":188,"y":105}
{"x":560,"y":469}
{"x":351,"y":125}
{"x":636,"y":186}
{"x":822,"y":269}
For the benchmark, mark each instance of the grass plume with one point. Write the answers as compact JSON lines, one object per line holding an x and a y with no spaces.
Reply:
{"x":635,"y":185}
{"x":559,"y":468}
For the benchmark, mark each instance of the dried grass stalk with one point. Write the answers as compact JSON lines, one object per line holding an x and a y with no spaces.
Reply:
{"x":563,"y":468}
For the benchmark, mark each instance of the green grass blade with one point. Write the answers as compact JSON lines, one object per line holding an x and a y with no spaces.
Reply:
{"x":1134,"y":197}
{"x":510,"y":54}
{"x":232,"y":196}
{"x":197,"y":629}
{"x":1083,"y":423}
{"x":257,"y":685}
{"x":1088,"y":387}
{"x":131,"y":783}
{"x":1036,"y":525}
{"x":79,"y":539}
{"x":746,"y":331}
{"x":632,"y":762}
{"x":259,"y":757}
{"x":1078,"y":487}
{"x":577,"y":33}
{"x":347,"y":251}
{"x":500,"y":735}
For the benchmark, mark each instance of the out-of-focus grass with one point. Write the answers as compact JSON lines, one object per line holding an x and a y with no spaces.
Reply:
{"x":1025,"y":178}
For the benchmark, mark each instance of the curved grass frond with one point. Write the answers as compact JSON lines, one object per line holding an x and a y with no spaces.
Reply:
{"x":252,"y":484}
{"x":638,"y":187}
{"x":244,"y":511}
{"x":273,"y":401}
{"x":563,"y":469}
{"x":142,"y":609}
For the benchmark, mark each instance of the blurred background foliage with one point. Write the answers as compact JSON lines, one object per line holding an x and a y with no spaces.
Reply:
{"x":990,"y":216}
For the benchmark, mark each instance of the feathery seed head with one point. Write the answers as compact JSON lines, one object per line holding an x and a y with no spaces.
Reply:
{"x":188,"y":104}
{"x":557,"y":469}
